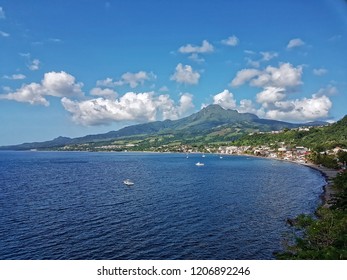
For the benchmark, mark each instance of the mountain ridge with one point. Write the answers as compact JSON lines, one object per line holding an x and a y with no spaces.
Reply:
{"x":211,"y":120}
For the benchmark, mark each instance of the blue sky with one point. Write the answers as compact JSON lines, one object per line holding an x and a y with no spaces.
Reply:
{"x":71,"y":68}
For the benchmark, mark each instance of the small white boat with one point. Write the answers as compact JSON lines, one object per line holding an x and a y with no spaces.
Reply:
{"x":128,"y":182}
{"x":203,"y":156}
{"x":199,"y":164}
{"x":220,"y":157}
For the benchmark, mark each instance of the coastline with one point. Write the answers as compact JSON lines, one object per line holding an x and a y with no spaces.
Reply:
{"x":329,"y":175}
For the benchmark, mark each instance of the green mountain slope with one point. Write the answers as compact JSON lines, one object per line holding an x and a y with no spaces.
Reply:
{"x":211,"y":124}
{"x":317,"y":138}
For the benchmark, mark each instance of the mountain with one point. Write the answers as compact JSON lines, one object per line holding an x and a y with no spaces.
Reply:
{"x":212,"y":123}
{"x":317,"y":138}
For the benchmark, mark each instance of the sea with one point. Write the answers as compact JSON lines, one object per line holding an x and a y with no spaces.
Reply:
{"x":75,"y":206}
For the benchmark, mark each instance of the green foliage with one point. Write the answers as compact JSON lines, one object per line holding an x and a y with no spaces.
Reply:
{"x":324,"y":236}
{"x":318,"y":138}
{"x":324,"y":159}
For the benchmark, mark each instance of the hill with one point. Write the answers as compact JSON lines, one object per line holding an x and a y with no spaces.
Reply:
{"x":210,"y":124}
{"x":317,"y":138}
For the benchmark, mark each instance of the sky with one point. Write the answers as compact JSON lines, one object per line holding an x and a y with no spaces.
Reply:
{"x":78,"y":67}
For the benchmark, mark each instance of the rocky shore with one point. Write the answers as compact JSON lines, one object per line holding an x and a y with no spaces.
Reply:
{"x":329,"y":175}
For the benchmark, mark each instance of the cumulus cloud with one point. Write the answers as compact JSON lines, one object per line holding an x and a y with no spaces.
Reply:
{"x":34,"y":65}
{"x":128,"y":78}
{"x":185,"y":104}
{"x":107,"y":92}
{"x":285,"y":76}
{"x":185,"y":75}
{"x":58,"y":84}
{"x":294,"y":43}
{"x":61,"y":84}
{"x":195,"y":57}
{"x":231,"y":41}
{"x":134,"y":79}
{"x":15,"y":77}
{"x":273,"y":101}
{"x":108,"y":82}
{"x":319,"y":71}
{"x":225,"y":99}
{"x":140,"y":107}
{"x":206,"y":47}
{"x":306,"y":109}
{"x":270,"y":95}
{"x":266,"y":56}
{"x":247,"y":106}
{"x":244,"y":76}
{"x":328,"y":91}
{"x":32,"y":93}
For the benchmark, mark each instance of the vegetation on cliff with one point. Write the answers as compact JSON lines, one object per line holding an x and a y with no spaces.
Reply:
{"x":323,"y":236}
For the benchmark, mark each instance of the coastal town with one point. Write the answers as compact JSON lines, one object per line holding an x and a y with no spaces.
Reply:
{"x":281,"y":150}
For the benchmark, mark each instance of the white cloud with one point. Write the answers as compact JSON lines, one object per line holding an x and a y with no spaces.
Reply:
{"x":253,"y":63}
{"x":306,"y":109}
{"x":2,"y":13}
{"x":206,"y":47}
{"x":15,"y":77}
{"x":273,"y":102}
{"x":247,"y":106}
{"x":140,"y":107}
{"x":294,"y":43}
{"x":61,"y":84}
{"x":185,"y":104}
{"x":285,"y":76}
{"x":243,"y":76}
{"x":32,"y":93}
{"x":270,"y":95}
{"x":185,"y":75}
{"x":134,"y":79}
{"x":231,"y":41}
{"x":128,"y":78}
{"x":329,"y":90}
{"x":319,"y":71}
{"x":34,"y":65}
{"x":107,"y":93}
{"x":266,"y":56}
{"x":225,"y":99}
{"x":195,"y":57}
{"x":58,"y":84}
{"x":108,"y":82}
{"x":4,"y":34}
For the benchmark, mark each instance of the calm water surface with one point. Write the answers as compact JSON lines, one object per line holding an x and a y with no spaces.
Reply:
{"x":57,"y":205}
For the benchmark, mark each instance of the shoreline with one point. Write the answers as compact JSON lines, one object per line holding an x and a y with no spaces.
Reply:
{"x":327,"y":173}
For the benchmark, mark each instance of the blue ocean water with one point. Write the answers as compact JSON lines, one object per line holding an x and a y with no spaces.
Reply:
{"x":66,"y":205}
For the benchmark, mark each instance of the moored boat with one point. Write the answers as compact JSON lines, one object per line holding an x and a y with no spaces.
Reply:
{"x":128,"y":182}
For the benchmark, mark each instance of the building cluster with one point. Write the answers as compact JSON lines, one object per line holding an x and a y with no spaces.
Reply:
{"x":287,"y":153}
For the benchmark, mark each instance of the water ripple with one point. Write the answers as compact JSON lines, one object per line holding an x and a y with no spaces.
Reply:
{"x":75,"y":206}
